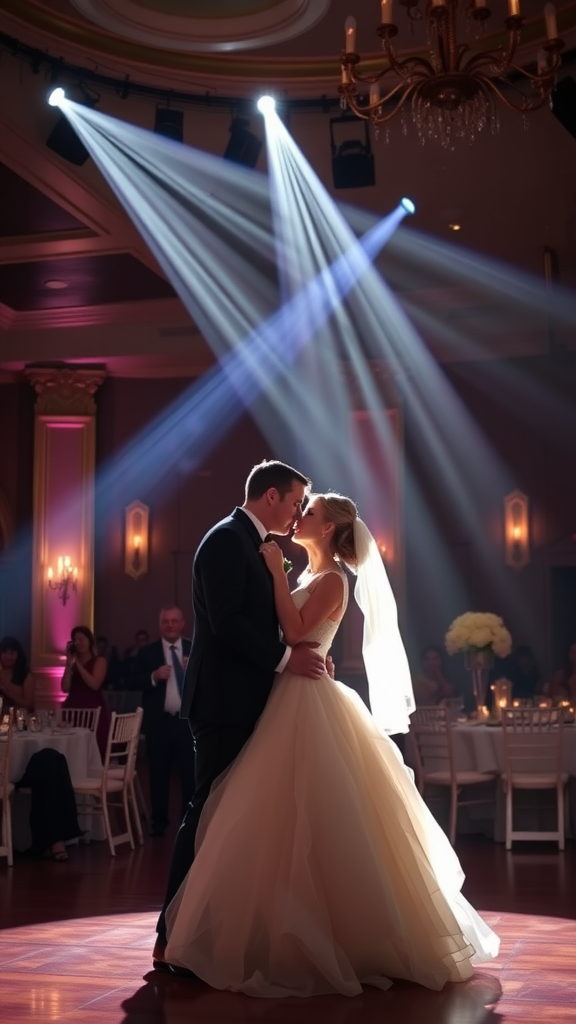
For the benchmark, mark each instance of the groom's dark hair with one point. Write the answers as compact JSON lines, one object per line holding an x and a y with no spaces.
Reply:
{"x":272,"y":474}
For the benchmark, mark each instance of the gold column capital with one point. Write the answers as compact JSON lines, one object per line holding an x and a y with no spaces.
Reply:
{"x":65,"y":390}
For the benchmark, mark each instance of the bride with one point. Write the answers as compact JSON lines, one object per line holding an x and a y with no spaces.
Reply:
{"x":319,"y":868}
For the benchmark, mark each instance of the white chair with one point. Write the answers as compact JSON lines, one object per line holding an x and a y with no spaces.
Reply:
{"x":135,"y":795}
{"x":6,"y":787}
{"x":431,"y":732}
{"x":533,"y":761}
{"x":79,"y":718}
{"x":112,"y":788}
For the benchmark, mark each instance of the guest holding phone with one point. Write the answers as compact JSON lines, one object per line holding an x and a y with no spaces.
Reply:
{"x":83,"y":679}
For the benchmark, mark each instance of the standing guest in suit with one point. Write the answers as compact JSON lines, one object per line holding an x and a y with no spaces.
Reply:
{"x":236,"y":649}
{"x":159,"y":673}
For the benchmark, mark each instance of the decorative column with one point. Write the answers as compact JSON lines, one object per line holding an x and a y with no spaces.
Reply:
{"x":63,"y":510}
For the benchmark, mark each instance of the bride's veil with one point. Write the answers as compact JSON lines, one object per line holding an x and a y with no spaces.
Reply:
{"x":385,"y":661}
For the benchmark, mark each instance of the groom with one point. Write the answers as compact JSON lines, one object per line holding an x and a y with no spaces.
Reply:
{"x":236,"y":648}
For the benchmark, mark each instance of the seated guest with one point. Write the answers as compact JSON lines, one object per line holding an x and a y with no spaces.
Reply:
{"x":84,"y":677}
{"x":524,"y":674}
{"x":430,"y":684}
{"x":53,"y":815}
{"x":16,"y":681}
{"x":563,"y":682}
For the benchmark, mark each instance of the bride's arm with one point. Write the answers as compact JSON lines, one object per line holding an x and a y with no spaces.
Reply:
{"x":323,"y":602}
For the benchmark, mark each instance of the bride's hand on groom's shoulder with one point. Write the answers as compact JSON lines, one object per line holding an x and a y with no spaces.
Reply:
{"x":305,"y":661}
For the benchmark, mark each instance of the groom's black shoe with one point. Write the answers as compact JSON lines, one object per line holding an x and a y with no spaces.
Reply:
{"x":160,"y":963}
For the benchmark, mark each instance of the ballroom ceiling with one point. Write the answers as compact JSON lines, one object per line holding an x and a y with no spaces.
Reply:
{"x":76,"y":280}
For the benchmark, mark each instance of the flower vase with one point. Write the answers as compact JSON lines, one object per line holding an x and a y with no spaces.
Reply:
{"x":479,"y":663}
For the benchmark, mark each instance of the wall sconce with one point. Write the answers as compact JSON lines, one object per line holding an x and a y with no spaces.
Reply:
{"x":136,"y":539}
{"x":516,"y":530}
{"x":66,"y":580}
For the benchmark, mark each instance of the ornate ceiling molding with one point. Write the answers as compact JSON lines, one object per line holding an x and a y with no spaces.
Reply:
{"x":252,"y":25}
{"x":225,"y":70}
{"x":228,"y":73}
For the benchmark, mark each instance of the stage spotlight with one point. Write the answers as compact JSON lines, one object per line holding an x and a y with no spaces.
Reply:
{"x":63,"y":140}
{"x":169,"y":123}
{"x":352,"y":160}
{"x":266,"y":104}
{"x":56,"y":96}
{"x":244,"y":147}
{"x":408,"y":205}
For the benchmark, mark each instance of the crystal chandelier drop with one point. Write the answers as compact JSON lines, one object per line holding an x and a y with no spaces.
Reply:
{"x":452,"y":91}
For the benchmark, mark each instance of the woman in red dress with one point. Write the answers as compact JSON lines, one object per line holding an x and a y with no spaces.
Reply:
{"x":83,"y":679}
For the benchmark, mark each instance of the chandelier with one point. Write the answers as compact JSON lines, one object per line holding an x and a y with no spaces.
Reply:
{"x":451,"y":92}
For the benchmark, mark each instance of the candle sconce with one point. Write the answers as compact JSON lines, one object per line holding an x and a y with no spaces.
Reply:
{"x":66,"y":579}
{"x":136,"y":539}
{"x":516,"y":530}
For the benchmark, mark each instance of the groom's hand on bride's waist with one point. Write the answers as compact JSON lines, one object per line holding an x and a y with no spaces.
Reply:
{"x":305,"y":661}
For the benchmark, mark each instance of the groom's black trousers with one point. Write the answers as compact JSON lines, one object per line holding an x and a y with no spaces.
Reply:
{"x":215,"y":748}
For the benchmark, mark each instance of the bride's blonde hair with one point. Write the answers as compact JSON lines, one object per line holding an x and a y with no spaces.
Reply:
{"x":342,"y":512}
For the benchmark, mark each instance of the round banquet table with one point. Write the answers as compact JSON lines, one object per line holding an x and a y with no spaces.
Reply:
{"x":81,"y":751}
{"x":78,"y":746}
{"x":481,"y":748}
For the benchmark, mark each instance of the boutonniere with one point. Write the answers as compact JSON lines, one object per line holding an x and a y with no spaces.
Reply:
{"x":287,"y":565}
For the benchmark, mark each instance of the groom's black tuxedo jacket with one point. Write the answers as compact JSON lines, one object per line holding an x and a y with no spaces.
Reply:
{"x":236,"y":645}
{"x":148,"y":659}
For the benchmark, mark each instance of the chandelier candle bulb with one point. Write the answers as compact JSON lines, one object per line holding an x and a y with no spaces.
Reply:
{"x":542,"y":61}
{"x":350,"y":30}
{"x":551,"y":27}
{"x":479,"y":3}
{"x":513,"y":8}
{"x":374,"y":94}
{"x":386,"y":12}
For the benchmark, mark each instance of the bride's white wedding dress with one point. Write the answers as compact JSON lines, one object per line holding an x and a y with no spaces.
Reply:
{"x":319,"y":868}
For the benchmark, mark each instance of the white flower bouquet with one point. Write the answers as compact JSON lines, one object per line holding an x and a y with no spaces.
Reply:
{"x":478,"y":631}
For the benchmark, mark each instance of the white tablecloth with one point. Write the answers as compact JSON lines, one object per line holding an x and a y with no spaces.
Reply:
{"x":81,"y":751}
{"x":481,"y":748}
{"x":78,"y":746}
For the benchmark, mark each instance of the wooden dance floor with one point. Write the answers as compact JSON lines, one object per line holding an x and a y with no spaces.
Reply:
{"x":76,"y":942}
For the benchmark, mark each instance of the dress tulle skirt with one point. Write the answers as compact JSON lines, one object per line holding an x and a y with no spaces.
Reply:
{"x":319,"y":868}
